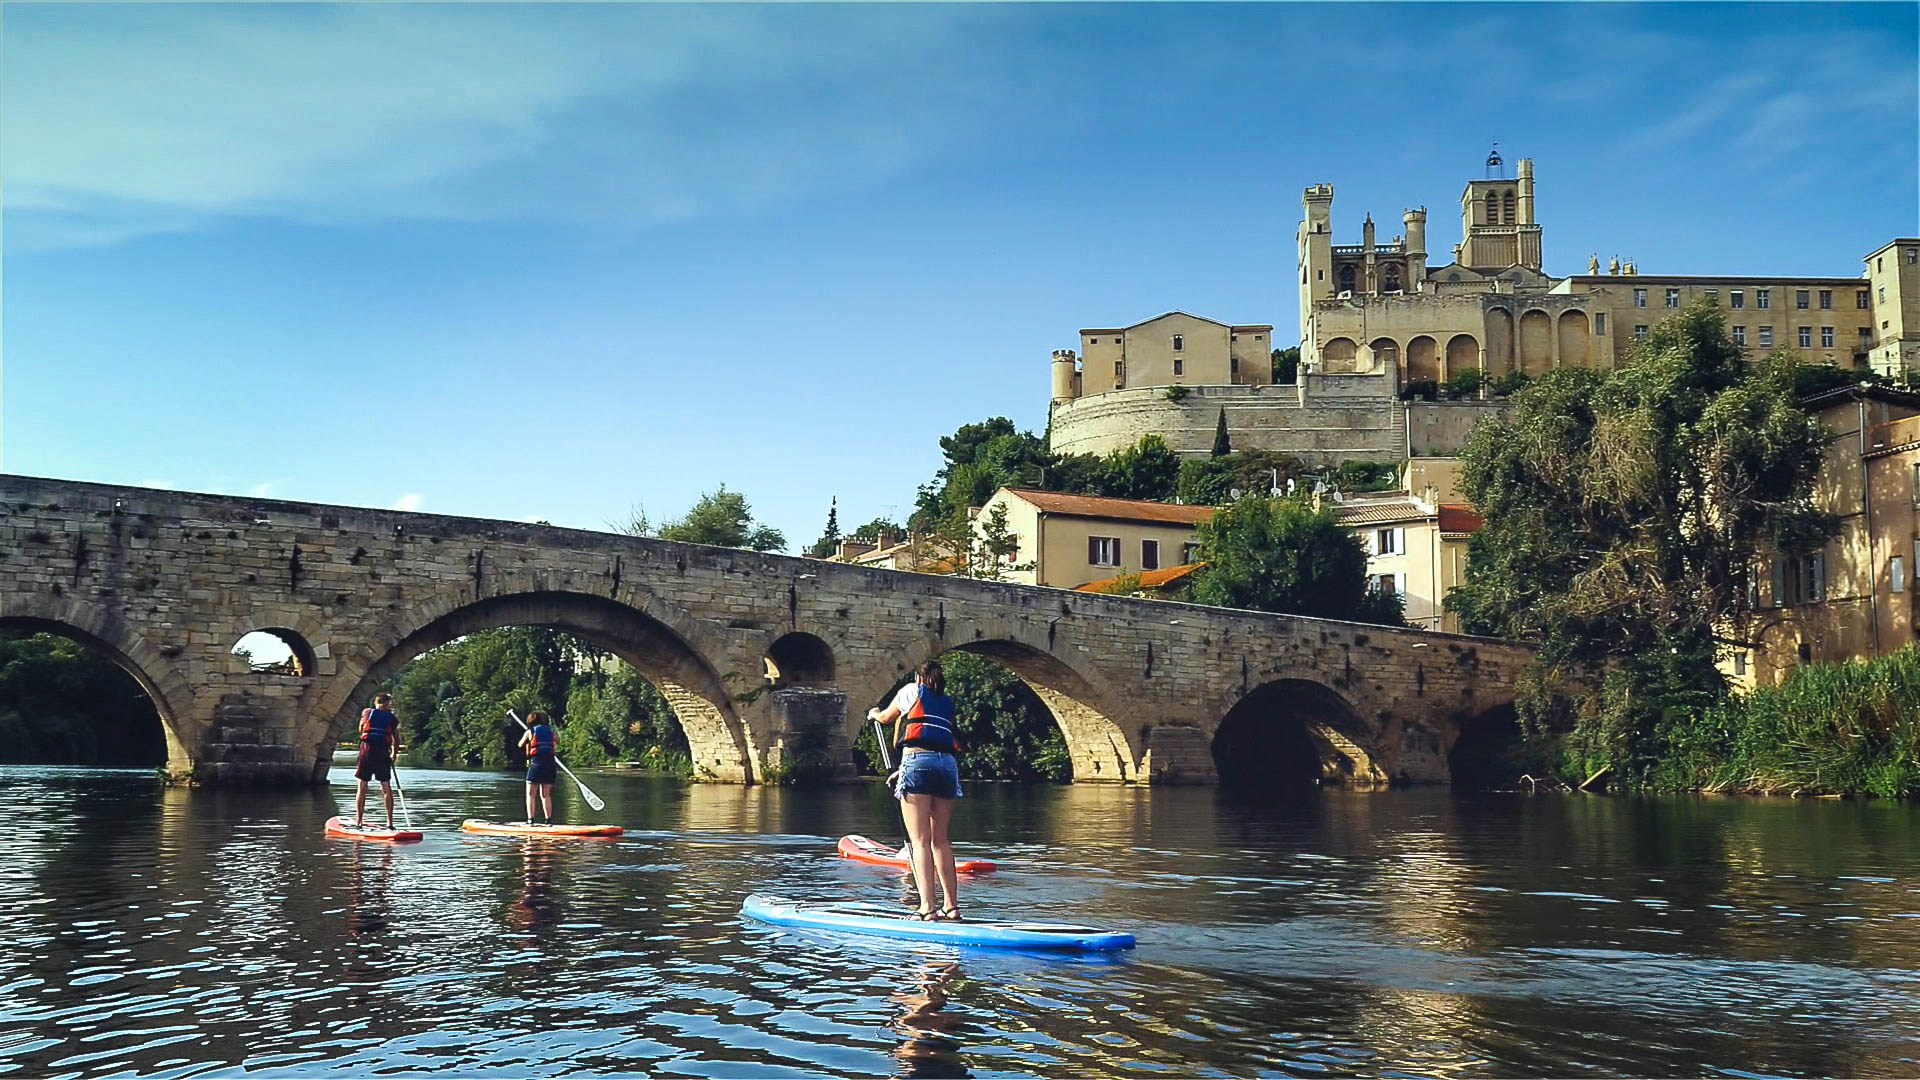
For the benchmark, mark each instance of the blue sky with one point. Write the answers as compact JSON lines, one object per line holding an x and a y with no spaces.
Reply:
{"x":555,"y":262}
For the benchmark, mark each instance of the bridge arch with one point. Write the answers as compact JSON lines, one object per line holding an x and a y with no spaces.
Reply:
{"x":655,"y":642}
{"x":1292,"y":732}
{"x":1097,"y":745}
{"x":158,"y":677}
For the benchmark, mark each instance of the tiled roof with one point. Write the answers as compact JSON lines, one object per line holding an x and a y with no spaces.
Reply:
{"x":1094,"y":506}
{"x":1149,"y":579}
{"x":1379,"y":512}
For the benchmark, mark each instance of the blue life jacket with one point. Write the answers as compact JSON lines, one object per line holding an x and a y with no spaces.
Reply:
{"x":543,"y":742}
{"x":377,"y":727}
{"x":928,"y":723}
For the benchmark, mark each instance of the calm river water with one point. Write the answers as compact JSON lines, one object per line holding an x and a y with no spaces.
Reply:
{"x":177,"y":933}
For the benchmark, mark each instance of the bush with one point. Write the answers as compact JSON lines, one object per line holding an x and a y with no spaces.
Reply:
{"x":1420,"y":389}
{"x":1510,"y":384}
{"x":1177,"y":393}
{"x":1465,"y":384}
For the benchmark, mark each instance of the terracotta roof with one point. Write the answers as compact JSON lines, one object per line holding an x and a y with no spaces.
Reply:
{"x":1460,"y":519}
{"x":1379,"y":512}
{"x":1094,"y":506}
{"x":1149,"y":579}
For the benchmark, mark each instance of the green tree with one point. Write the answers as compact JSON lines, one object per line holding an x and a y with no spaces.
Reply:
{"x":1211,"y":481}
{"x":724,"y":519}
{"x":1284,"y":556}
{"x":872,"y":531}
{"x":1286,"y":365}
{"x":64,"y":704}
{"x":829,"y":540}
{"x":1626,"y":513}
{"x":1146,"y":470}
{"x":1222,"y":445}
{"x":1008,"y":733}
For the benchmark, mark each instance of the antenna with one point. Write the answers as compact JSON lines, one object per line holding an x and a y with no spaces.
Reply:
{"x":1495,"y":169}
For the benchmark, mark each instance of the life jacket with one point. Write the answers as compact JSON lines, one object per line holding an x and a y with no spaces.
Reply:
{"x":929,"y":723}
{"x":377,"y":726}
{"x":542,"y":742}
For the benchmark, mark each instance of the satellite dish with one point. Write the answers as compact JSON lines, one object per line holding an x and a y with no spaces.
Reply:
{"x":1337,"y":497}
{"x":1289,"y":485}
{"x":1274,"y":493}
{"x":1233,"y":493}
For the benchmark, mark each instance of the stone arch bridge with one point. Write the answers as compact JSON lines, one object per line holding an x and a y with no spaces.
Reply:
{"x":762,"y":656}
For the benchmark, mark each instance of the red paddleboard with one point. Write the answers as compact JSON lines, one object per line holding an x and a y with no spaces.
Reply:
{"x":861,"y":849}
{"x":521,"y":828}
{"x":343,"y":827}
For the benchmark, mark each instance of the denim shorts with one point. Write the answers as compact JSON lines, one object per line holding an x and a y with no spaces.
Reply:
{"x":928,"y":772}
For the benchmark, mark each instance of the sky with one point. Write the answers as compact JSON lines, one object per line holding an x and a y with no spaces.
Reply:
{"x":561,"y":262}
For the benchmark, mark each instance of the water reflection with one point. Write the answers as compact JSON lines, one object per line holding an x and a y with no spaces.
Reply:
{"x":368,"y":912}
{"x":537,"y":907}
{"x":932,"y":1046}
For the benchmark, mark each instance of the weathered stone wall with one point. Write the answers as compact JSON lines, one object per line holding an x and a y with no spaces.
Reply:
{"x":1343,"y":423}
{"x":1440,"y":428}
{"x":167,"y":583}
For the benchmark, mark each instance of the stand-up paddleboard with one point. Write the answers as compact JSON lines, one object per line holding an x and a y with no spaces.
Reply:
{"x":861,"y":849}
{"x":521,"y":828}
{"x":892,"y":922}
{"x":343,"y":827}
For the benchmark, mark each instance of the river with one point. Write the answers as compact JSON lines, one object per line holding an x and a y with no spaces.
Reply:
{"x":170,"y":932}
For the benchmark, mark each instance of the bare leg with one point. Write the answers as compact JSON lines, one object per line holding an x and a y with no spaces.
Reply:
{"x":943,"y":853}
{"x":917,"y":811}
{"x":530,"y":790}
{"x":359,"y":801}
{"x":386,"y":792}
{"x":546,"y":801}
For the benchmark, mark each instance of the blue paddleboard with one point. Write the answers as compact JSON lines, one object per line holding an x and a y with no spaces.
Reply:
{"x":892,"y":922}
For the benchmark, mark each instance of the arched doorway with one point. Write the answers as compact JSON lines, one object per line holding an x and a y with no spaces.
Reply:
{"x":1291,"y":734}
{"x":643,"y":645}
{"x":68,"y":697}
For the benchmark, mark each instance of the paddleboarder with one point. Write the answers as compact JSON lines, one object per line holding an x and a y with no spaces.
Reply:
{"x":379,"y":746}
{"x":927,"y":782}
{"x":537,"y":745}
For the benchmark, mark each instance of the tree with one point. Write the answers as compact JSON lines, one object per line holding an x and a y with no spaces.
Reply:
{"x":1211,"y":481}
{"x":724,"y":519}
{"x":1146,"y":470}
{"x":1284,"y":556}
{"x":829,"y":540}
{"x":873,"y":531}
{"x":1222,"y":445}
{"x":1286,"y":365}
{"x":1626,"y":514}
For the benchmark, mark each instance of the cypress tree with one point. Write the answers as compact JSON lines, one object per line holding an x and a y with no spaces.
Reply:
{"x":1222,"y":446}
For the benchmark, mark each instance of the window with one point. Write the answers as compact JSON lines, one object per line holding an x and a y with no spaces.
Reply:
{"x":1640,"y":332}
{"x":1826,"y":337}
{"x":1883,"y":294}
{"x":1766,"y":337}
{"x":1233,"y":365}
{"x":1599,"y":322}
{"x":1493,"y":208}
{"x":1713,"y":296}
{"x":1346,"y":279}
{"x":1189,"y":553}
{"x":1178,"y":343}
{"x":1916,"y":484}
{"x":1800,"y":580}
{"x":1385,"y":584}
{"x":1879,"y":264}
{"x":1763,"y":298}
{"x":1913,"y":255}
{"x":1390,"y":278}
{"x":1639,"y":298}
{"x":1386,"y":542}
{"x":1860,"y":299}
{"x":1737,"y":298}
{"x":1103,"y":550}
{"x":1739,"y":664}
{"x":1826,"y":299}
{"x":1119,"y":374}
{"x":1897,"y":574}
{"x":1149,"y":554}
{"x":1739,"y":335}
{"x":1179,"y":366}
{"x":1800,"y":299}
{"x":1806,"y":337}
{"x":1673,"y":297}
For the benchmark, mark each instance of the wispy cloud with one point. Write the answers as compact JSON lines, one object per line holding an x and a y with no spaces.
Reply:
{"x":123,"y":121}
{"x":409,"y":501}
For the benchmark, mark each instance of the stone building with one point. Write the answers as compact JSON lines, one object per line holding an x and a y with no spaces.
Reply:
{"x":1380,"y":315}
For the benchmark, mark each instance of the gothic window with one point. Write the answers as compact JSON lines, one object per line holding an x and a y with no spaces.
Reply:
{"x":1346,"y":279}
{"x":1509,"y":218}
{"x":1390,"y":278}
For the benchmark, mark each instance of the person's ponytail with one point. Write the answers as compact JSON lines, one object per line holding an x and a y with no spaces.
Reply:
{"x":931,"y":674}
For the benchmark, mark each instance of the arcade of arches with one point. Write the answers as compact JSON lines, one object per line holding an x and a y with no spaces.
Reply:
{"x":757,"y":654}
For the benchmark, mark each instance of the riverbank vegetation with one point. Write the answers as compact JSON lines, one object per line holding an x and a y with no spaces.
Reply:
{"x":63,"y":704}
{"x":1627,"y":512}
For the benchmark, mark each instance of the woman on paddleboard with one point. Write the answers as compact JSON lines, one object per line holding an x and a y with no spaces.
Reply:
{"x":928,"y":782}
{"x":379,"y":746}
{"x":537,"y":745}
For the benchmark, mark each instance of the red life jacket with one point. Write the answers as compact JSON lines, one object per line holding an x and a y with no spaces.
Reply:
{"x":928,"y":723}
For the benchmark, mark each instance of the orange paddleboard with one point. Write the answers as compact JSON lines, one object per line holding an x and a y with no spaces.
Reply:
{"x":521,"y":828}
{"x":861,"y":849}
{"x":342,"y":827}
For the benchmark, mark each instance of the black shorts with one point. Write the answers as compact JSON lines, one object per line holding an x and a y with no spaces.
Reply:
{"x":541,"y":771}
{"x":376,"y":763}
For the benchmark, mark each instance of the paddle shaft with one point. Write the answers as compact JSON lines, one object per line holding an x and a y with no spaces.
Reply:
{"x":402,"y":792}
{"x":585,"y":791}
{"x":886,"y":752}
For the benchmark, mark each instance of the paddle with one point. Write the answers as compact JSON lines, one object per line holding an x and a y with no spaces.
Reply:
{"x":880,"y":739}
{"x":402,"y":792}
{"x":585,"y":791}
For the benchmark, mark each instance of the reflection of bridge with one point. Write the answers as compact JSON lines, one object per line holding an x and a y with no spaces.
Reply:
{"x":167,"y":583}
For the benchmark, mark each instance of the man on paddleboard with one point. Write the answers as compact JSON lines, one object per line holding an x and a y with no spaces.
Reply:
{"x":537,"y":744}
{"x":379,"y":746}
